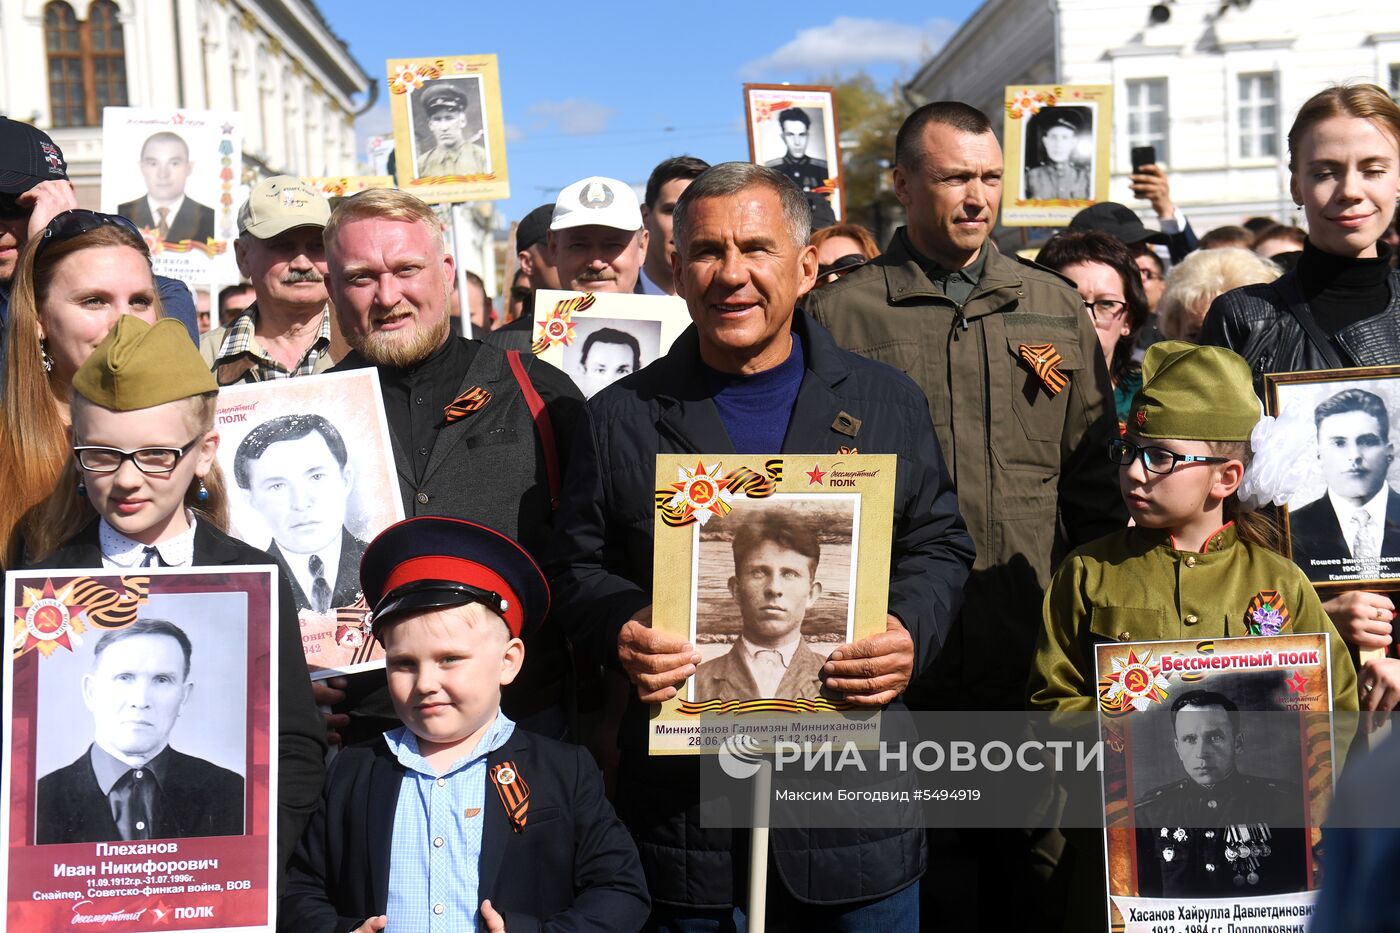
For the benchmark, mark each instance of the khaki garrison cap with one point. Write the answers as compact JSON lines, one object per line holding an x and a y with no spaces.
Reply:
{"x":141,"y":366}
{"x":1193,"y":393}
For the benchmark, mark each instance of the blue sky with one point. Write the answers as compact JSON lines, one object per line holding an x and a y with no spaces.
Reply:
{"x":614,"y":88}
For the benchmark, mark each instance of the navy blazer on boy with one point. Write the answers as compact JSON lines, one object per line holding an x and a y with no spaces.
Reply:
{"x":573,"y":867}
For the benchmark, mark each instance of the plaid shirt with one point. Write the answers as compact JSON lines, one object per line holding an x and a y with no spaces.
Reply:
{"x":239,"y":342}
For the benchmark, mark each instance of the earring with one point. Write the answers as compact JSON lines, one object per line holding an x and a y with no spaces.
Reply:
{"x":201,"y":494}
{"x":44,"y":358}
{"x":82,"y":489}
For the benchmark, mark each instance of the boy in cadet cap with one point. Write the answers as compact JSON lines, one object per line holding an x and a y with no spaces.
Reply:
{"x":1198,"y":564}
{"x":457,"y":814}
{"x":149,"y":493}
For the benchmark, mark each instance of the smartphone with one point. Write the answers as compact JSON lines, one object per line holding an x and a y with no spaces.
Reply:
{"x":1144,"y":155}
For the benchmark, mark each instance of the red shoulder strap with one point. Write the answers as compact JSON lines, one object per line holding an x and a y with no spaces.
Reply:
{"x":543,"y":426}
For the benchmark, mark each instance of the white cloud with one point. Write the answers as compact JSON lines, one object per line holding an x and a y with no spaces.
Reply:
{"x":849,"y":42}
{"x":514,"y":133}
{"x":573,"y":117}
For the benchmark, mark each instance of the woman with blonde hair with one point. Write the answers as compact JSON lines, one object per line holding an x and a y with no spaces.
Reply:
{"x":1340,"y":307}
{"x":1199,"y":279}
{"x":73,"y":281}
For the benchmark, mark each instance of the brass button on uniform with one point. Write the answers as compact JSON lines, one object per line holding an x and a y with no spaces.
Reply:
{"x":1125,"y":636}
{"x":1192,"y":620}
{"x":1190,"y":560}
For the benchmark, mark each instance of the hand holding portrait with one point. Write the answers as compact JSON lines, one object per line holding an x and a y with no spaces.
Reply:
{"x":1379,"y":682}
{"x":875,"y":670}
{"x":656,"y":663}
{"x":1362,"y":619}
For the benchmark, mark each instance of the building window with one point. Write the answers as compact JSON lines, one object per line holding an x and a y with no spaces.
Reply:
{"x":87,"y":62}
{"x":1147,"y":115}
{"x":1258,"y":116}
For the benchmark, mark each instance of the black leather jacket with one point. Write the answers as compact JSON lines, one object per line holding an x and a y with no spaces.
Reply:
{"x":1265,"y":325}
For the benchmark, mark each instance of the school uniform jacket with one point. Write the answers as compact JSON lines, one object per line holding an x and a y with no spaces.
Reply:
{"x":301,"y":733}
{"x":573,"y":867}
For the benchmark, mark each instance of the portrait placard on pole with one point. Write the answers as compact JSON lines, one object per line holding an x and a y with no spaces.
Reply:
{"x":176,"y":175}
{"x":310,"y":469}
{"x":1217,"y":767}
{"x":1057,"y":144}
{"x":344,"y":186}
{"x":766,"y":564}
{"x":599,"y":337}
{"x":792,"y":129}
{"x":449,"y":135}
{"x":140,"y":739}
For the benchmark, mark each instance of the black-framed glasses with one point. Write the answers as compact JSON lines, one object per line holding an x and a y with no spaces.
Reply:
{"x":1104,"y":308}
{"x":71,"y":223}
{"x":152,"y":461}
{"x":1154,"y":459}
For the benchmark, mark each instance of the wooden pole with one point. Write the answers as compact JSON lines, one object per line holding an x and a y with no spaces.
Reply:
{"x":758,"y":847}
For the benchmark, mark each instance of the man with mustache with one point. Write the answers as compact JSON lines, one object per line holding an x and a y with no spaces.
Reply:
{"x":479,"y":433}
{"x":1357,"y":521}
{"x":286,"y":331}
{"x":597,"y":236}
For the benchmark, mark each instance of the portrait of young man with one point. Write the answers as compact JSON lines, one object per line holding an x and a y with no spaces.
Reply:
{"x":166,"y":167}
{"x":1218,"y":831}
{"x":454,"y":125}
{"x":130,"y":783}
{"x":1358,"y":518}
{"x":297,"y":474}
{"x":797,"y":128}
{"x":773,"y":587}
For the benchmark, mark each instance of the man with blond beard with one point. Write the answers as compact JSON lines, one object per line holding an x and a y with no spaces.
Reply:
{"x":479,"y":433}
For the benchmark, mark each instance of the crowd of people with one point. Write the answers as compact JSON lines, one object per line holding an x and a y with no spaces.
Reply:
{"x":1071,"y":431}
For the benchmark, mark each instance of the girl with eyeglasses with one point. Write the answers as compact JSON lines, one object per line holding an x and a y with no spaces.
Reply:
{"x":72,"y":283}
{"x":1108,"y":280}
{"x":1340,"y":307}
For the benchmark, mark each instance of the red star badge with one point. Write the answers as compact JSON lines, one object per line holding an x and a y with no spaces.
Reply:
{"x":1297,"y":682}
{"x":47,"y":619}
{"x":161,"y":912}
{"x":815,"y":474}
{"x":701,"y":492}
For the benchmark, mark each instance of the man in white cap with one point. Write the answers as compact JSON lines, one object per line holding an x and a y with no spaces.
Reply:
{"x":597,"y":237}
{"x":286,"y":331}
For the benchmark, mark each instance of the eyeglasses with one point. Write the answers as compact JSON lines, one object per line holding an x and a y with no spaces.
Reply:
{"x":1104,"y":308}
{"x":841,"y":266}
{"x":152,"y":461}
{"x":1154,"y":459}
{"x":71,"y":223}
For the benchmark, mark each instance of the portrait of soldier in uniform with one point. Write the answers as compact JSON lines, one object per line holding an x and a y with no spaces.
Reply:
{"x":1358,"y":517}
{"x":773,"y":587}
{"x":166,"y":210}
{"x":454,"y":120}
{"x":606,"y":349}
{"x":1053,"y":138}
{"x":1218,"y":831}
{"x":130,"y":783}
{"x":796,"y":127}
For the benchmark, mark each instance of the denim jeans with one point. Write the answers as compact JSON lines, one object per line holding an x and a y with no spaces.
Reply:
{"x":898,"y":913}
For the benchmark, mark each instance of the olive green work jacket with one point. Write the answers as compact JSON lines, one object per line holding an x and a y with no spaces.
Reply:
{"x":1031,"y":467}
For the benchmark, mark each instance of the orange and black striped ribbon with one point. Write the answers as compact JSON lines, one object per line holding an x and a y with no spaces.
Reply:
{"x":108,"y":608}
{"x":1044,"y":361}
{"x":474,"y":399}
{"x":515,"y":795}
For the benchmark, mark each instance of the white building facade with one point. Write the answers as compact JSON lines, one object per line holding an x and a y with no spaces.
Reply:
{"x":1212,"y":84}
{"x":276,"y":62}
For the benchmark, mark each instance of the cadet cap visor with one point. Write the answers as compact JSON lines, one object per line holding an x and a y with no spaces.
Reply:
{"x":142,"y":365}
{"x":435,"y":563}
{"x":1193,"y":393}
{"x":280,"y":203}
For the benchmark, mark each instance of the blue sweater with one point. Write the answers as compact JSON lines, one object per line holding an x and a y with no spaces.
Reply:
{"x":756,"y":409}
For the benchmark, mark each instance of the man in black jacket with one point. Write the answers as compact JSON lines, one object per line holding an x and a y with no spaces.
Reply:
{"x":478,"y":432}
{"x":752,"y":376}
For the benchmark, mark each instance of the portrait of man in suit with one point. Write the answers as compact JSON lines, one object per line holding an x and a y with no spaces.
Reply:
{"x":131,"y":784}
{"x":297,"y":473}
{"x":773,"y":586}
{"x":166,"y":166}
{"x":1354,"y":528}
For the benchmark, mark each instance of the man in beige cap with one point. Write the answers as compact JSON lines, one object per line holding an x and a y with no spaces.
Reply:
{"x":286,"y":331}
{"x":597,"y":237}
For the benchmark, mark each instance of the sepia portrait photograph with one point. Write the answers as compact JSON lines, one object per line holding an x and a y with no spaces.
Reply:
{"x":449,"y":135}
{"x":1343,"y":521}
{"x":1057,"y":144}
{"x":773,"y":595}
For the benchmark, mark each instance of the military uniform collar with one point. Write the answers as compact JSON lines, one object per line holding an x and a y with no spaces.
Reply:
{"x":1222,"y":539}
{"x":905,"y":277}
